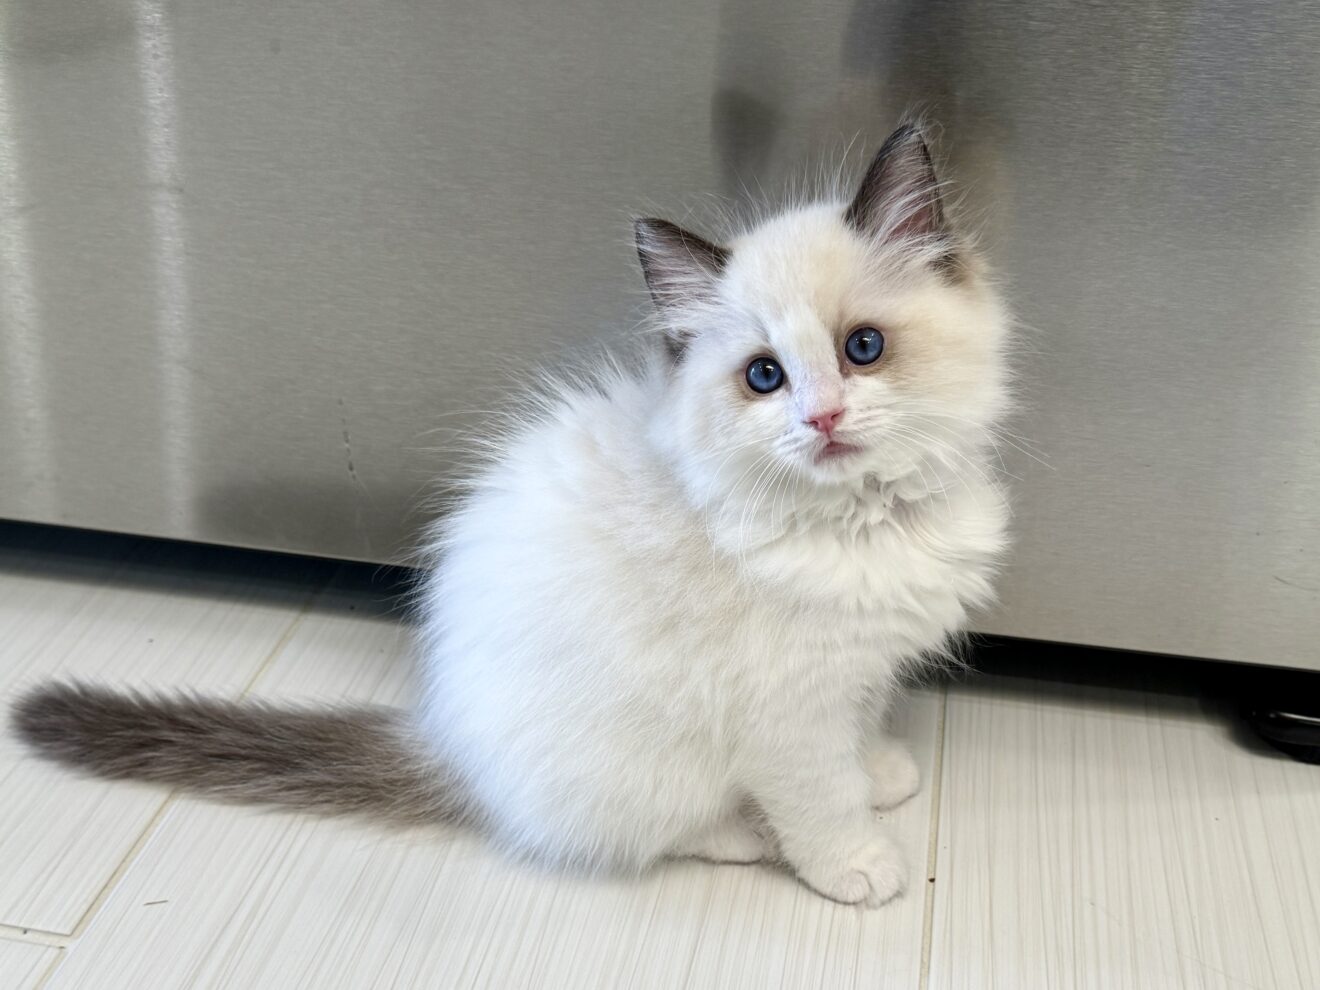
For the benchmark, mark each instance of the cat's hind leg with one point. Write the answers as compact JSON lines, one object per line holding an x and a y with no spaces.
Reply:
{"x":730,"y":840}
{"x":894,"y":773}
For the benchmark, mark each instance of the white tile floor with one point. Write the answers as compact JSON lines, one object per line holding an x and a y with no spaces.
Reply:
{"x":1082,"y":831}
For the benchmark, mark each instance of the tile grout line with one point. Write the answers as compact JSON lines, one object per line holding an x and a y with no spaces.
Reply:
{"x":285,"y":637}
{"x":149,"y":829}
{"x":933,"y":842}
{"x":104,"y":893}
{"x":51,"y":968}
{"x":33,"y":936}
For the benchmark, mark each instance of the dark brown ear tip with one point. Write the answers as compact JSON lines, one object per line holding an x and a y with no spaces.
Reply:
{"x":909,"y":131}
{"x":900,"y":184}
{"x":911,"y":136}
{"x":652,"y":227}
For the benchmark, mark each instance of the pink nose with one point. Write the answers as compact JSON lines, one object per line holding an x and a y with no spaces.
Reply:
{"x":825,"y":421}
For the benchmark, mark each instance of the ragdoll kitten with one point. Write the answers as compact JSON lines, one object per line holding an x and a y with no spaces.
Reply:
{"x":667,"y":615}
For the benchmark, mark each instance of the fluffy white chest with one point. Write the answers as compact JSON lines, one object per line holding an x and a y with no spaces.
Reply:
{"x":883,"y":592}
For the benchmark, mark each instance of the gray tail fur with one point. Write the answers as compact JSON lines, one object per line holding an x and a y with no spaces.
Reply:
{"x":335,"y":760}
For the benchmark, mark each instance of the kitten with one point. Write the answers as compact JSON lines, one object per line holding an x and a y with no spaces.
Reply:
{"x":667,"y":614}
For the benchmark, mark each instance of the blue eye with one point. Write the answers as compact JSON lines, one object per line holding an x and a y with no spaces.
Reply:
{"x":764,"y":375}
{"x":864,"y":345}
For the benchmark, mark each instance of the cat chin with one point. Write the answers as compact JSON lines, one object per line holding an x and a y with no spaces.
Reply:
{"x":859,"y":468}
{"x":836,"y":451}
{"x":837,"y":472}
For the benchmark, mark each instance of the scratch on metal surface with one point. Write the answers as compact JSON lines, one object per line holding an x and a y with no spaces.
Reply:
{"x":1295,"y":584}
{"x":348,"y":447}
{"x":358,"y":520}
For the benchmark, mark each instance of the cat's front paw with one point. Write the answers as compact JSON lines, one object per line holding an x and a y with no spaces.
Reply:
{"x":872,"y":875}
{"x":894,"y":774}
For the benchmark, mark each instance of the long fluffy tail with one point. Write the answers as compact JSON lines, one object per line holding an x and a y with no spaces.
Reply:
{"x":336,"y":760}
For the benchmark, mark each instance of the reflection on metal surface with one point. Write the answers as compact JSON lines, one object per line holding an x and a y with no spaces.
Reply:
{"x":155,"y":53}
{"x":278,"y":245}
{"x":23,"y":372}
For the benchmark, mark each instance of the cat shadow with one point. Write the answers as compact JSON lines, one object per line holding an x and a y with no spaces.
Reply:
{"x":743,"y":130}
{"x":346,"y":519}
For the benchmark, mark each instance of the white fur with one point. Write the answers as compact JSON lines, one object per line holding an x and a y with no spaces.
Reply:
{"x":654,"y":609}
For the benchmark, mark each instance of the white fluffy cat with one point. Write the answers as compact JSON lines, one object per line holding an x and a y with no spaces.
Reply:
{"x":667,"y":616}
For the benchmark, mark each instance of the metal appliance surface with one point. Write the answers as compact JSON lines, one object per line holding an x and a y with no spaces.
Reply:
{"x":260,"y":263}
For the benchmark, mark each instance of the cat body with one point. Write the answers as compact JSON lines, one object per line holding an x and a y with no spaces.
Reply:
{"x":668,"y":614}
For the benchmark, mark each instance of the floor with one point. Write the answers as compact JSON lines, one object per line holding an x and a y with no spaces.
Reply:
{"x":1084,"y":824}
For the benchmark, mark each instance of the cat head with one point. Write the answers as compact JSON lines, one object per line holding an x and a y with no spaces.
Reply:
{"x":833,"y":344}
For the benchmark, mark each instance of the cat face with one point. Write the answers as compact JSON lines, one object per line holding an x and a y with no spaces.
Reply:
{"x":832,"y":344}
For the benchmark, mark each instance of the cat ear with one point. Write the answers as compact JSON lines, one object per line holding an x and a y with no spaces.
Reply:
{"x":899,"y":197}
{"x":679,"y":266}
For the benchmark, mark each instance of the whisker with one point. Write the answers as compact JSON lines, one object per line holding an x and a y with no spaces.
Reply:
{"x":747,"y":508}
{"x":733,"y":489}
{"x":948,"y":448}
{"x":941,"y":489}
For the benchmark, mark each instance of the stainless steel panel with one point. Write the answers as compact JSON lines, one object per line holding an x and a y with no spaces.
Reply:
{"x":260,"y":262}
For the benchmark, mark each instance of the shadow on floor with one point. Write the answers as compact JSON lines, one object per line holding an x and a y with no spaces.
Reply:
{"x":1140,"y":682}
{"x":194,"y":570}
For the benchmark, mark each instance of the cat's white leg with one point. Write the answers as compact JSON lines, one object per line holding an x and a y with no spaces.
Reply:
{"x":817,"y":799}
{"x":894,"y":773}
{"x":589,"y":802}
{"x":730,"y":840}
